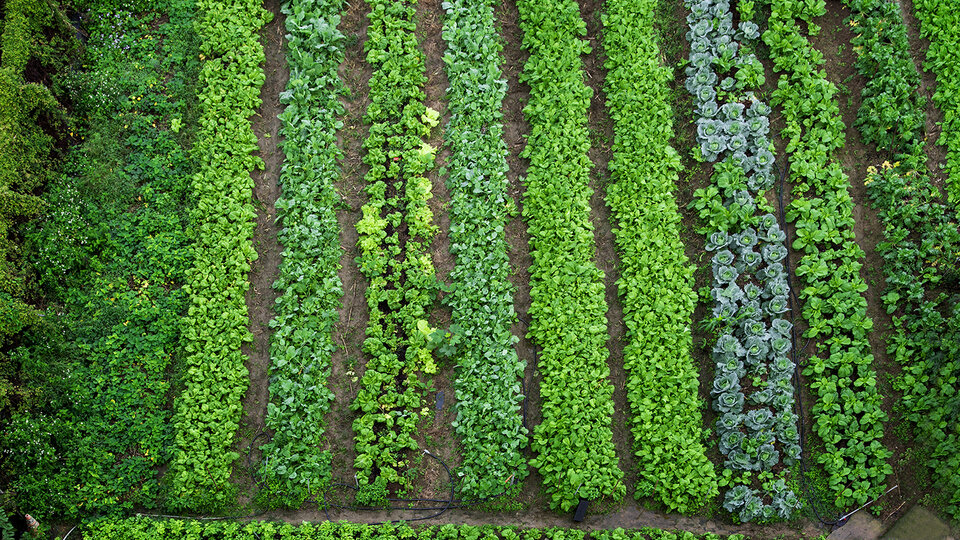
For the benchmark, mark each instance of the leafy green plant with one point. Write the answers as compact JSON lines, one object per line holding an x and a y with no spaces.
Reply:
{"x":656,"y":283}
{"x":295,"y":465}
{"x":921,"y":244}
{"x":489,"y":424}
{"x":394,"y":232}
{"x":96,"y":426}
{"x":752,"y":388}
{"x":848,"y":414}
{"x":208,"y":410}
{"x":144,"y":528}
{"x":574,"y":442}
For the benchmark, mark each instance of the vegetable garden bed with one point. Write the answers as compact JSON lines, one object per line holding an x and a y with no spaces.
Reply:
{"x":519,"y":273}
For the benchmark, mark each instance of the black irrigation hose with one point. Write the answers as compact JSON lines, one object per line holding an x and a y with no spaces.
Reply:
{"x":523,"y":380}
{"x":811,"y":495}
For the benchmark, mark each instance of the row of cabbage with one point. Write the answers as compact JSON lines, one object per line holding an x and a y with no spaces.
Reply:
{"x":295,"y":465}
{"x":208,"y":410}
{"x":656,"y":281}
{"x":940,"y":23}
{"x":848,"y":417}
{"x":921,"y":250}
{"x":753,"y":384}
{"x":155,"y":529}
{"x":394,"y":234}
{"x":574,"y":441}
{"x":489,"y":424}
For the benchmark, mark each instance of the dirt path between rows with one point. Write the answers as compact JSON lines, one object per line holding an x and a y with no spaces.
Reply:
{"x":607,"y":258}
{"x":264,"y":271}
{"x":936,"y":153}
{"x":348,"y":334}
{"x":515,"y":129}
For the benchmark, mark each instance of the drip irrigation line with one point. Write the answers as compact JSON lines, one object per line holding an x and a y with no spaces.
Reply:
{"x":783,"y":224}
{"x":523,"y":380}
{"x":811,"y":495}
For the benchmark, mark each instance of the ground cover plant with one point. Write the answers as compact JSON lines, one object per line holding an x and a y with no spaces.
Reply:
{"x":848,"y":417}
{"x":753,"y":383}
{"x":143,"y":528}
{"x":395,"y":230}
{"x":295,"y":465}
{"x":26,"y":149}
{"x":208,"y":409}
{"x":574,"y":442}
{"x":656,"y":281}
{"x":112,"y":252}
{"x":922,"y":240}
{"x":488,"y":378}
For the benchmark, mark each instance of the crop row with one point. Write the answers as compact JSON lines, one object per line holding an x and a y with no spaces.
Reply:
{"x":753,"y":382}
{"x":848,"y":415}
{"x":574,"y":442}
{"x":922,"y":241}
{"x":294,"y":463}
{"x":394,"y":234}
{"x":488,"y":422}
{"x":656,"y":281}
{"x":940,"y":23}
{"x":115,"y":252}
{"x":208,"y":410}
{"x":144,"y":529}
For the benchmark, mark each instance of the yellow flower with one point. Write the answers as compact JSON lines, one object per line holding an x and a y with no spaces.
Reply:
{"x":886,"y":165}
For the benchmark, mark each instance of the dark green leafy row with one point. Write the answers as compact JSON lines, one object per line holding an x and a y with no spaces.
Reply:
{"x":921,"y":247}
{"x":921,"y":255}
{"x":113,"y":248}
{"x":395,"y":231}
{"x":848,"y":416}
{"x":208,"y":410}
{"x":489,"y":425}
{"x":892,"y":113}
{"x":568,"y":310}
{"x":940,"y":23}
{"x":294,"y":463}
{"x":147,"y":529}
{"x":656,"y":281}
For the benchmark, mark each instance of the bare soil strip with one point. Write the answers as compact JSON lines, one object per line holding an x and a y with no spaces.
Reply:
{"x":515,"y":129}
{"x":606,"y":258}
{"x":261,"y":295}
{"x":348,"y":360}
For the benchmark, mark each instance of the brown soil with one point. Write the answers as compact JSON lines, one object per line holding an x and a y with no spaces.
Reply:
{"x":515,"y":130}
{"x":936,"y":154}
{"x":436,"y":433}
{"x":349,"y":360}
{"x":606,"y":257}
{"x":261,"y":295}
